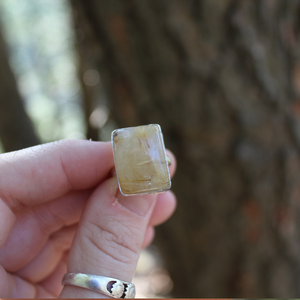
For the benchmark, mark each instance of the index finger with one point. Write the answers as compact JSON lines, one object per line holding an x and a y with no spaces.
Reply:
{"x":45,"y":172}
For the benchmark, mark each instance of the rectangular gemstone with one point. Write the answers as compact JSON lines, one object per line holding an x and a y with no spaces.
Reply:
{"x":140,"y":160}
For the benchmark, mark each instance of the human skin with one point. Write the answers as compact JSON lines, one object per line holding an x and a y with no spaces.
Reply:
{"x":61,"y":211}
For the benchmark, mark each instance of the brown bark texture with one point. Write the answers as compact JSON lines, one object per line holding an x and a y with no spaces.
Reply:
{"x":16,"y":129}
{"x":222,"y":78}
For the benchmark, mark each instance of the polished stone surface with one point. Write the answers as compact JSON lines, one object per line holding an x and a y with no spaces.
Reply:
{"x":140,"y":160}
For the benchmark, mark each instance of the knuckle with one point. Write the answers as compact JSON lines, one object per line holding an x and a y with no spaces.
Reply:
{"x":119,"y":244}
{"x":42,"y":222}
{"x":61,"y":244}
{"x":47,"y":220}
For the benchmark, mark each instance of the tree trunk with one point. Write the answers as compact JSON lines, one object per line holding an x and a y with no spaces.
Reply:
{"x":222,"y":78}
{"x":16,"y":129}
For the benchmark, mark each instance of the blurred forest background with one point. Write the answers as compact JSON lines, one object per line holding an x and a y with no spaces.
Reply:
{"x":221,"y":77}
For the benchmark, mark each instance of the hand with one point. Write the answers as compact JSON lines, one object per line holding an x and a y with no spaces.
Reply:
{"x":60,"y":211}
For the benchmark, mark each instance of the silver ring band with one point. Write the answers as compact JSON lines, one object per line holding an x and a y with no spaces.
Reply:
{"x":105,"y":285}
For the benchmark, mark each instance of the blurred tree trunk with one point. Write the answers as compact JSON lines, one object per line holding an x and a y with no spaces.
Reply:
{"x":222,"y":78}
{"x":16,"y":129}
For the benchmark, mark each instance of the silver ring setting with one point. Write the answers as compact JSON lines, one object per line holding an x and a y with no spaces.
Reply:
{"x":105,"y":285}
{"x":141,"y":163}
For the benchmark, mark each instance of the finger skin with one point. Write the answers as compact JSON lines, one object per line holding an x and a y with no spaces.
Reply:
{"x":149,"y":236}
{"x":108,"y":245}
{"x":114,"y":254}
{"x":25,"y":289}
{"x":7,"y":221}
{"x":6,"y":284}
{"x":54,"y":168}
{"x":164,"y":208}
{"x":49,"y":257}
{"x":34,"y":225}
{"x":53,"y":282}
{"x":12,"y":286}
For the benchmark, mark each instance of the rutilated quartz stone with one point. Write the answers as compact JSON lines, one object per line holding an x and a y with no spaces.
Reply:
{"x":140,"y":160}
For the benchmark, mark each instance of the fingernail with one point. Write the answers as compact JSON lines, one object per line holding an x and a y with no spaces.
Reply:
{"x":139,"y":205}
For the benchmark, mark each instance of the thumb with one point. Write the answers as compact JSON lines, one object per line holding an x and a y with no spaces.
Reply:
{"x":109,"y":237}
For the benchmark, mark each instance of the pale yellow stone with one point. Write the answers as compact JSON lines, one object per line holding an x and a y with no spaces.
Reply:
{"x":140,"y":160}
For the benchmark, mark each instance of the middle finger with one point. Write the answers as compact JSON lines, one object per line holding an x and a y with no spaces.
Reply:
{"x":49,"y":257}
{"x":34,"y":226}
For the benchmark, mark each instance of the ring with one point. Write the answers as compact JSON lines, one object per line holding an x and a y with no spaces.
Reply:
{"x":141,"y":163}
{"x":105,"y":285}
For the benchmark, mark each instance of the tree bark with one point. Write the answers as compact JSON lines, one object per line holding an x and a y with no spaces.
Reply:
{"x":222,"y":78}
{"x":16,"y":129}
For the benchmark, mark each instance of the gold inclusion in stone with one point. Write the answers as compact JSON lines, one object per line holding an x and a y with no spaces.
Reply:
{"x":140,"y":160}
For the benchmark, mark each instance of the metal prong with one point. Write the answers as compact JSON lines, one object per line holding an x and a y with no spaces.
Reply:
{"x":169,"y":161}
